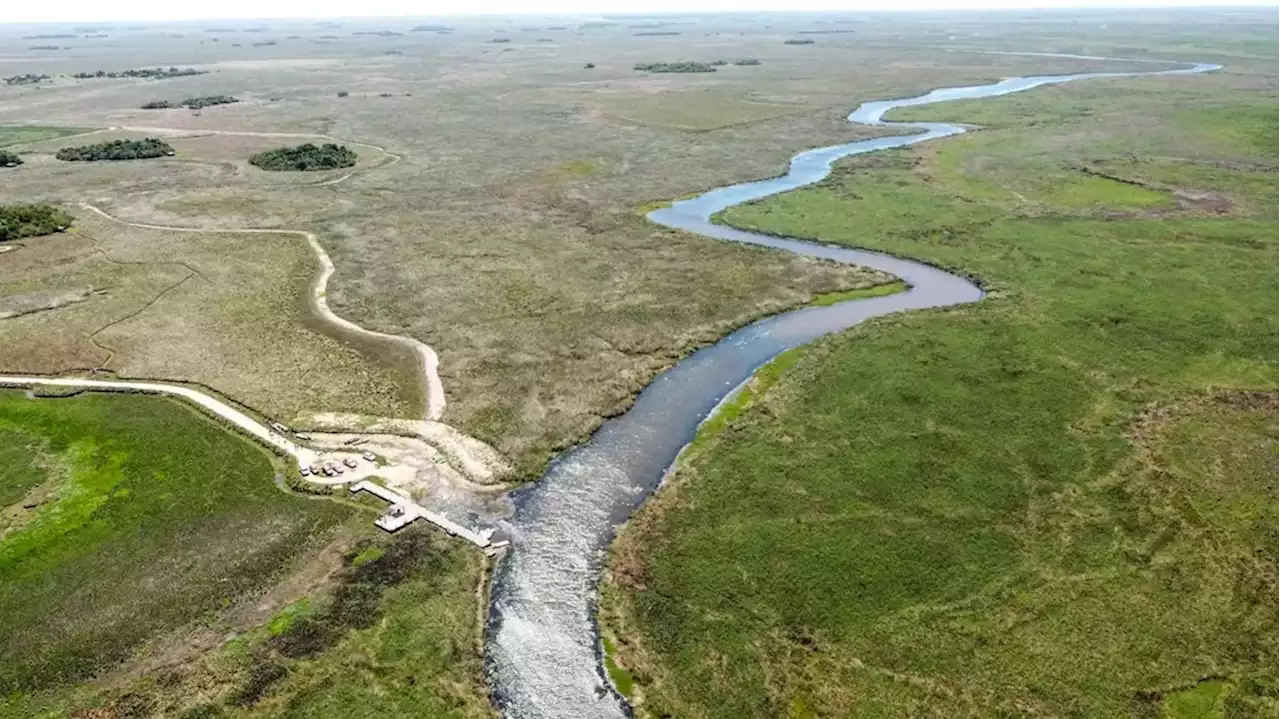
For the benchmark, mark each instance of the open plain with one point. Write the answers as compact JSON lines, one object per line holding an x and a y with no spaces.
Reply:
{"x":1057,"y":502}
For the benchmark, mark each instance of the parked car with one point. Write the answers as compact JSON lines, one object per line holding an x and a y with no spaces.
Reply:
{"x":350,"y":462}
{"x":304,"y":470}
{"x":369,"y":456}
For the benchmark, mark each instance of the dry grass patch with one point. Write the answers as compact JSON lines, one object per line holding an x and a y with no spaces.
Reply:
{"x":224,"y":310}
{"x":698,"y":109}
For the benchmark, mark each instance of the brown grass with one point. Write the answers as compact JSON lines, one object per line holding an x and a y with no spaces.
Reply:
{"x":507,"y":237}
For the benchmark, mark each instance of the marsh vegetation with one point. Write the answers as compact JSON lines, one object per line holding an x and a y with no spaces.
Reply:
{"x":1030,"y":512}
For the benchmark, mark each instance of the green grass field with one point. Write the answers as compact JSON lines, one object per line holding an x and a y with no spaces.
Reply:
{"x":139,"y":541}
{"x":1058,"y":502}
{"x":21,"y":134}
{"x":395,"y":635}
{"x":150,"y":515}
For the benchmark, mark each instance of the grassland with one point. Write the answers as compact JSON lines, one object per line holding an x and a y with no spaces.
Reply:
{"x":189,"y":306}
{"x":143,"y":581}
{"x":22,"y":134}
{"x":549,"y":298}
{"x":1058,"y":502}
{"x":128,"y":517}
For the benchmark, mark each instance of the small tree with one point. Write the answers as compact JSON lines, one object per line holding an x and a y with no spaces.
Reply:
{"x":343,"y":93}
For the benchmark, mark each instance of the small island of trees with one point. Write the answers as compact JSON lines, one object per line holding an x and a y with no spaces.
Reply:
{"x":305,"y":158}
{"x":9,"y":159}
{"x":194,"y":103}
{"x":675,"y":67}
{"x":19,"y":221}
{"x":154,"y":73}
{"x":27,"y":79}
{"x":117,"y":150}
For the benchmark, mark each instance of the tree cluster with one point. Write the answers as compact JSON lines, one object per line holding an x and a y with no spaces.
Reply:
{"x":305,"y":158}
{"x":116,"y":150}
{"x":147,"y":72}
{"x":19,"y":221}
{"x":194,"y":103}
{"x":28,"y":79}
{"x":9,"y":159}
{"x":675,"y":67}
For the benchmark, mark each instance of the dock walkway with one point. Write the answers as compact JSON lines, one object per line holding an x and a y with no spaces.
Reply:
{"x":411,"y":510}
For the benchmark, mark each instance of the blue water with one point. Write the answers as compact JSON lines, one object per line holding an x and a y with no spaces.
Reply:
{"x":542,"y":649}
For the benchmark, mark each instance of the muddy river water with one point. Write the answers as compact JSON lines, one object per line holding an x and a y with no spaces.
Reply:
{"x":542,"y":652}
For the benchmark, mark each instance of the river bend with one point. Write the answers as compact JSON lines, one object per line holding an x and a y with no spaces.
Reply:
{"x":542,"y":652}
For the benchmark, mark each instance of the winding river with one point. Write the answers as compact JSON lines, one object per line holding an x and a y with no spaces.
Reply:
{"x":542,"y":647}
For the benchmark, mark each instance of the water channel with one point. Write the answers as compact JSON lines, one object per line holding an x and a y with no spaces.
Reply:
{"x":542,"y":651}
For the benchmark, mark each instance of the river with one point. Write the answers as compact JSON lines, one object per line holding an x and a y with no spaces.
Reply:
{"x":542,"y":653}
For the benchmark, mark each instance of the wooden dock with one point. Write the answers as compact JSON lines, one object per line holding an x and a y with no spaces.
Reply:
{"x":404,"y":511}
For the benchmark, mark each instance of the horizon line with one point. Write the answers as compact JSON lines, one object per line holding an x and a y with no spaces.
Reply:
{"x":1030,"y":6}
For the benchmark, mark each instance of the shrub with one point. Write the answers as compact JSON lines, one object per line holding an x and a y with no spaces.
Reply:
{"x":195,"y":103}
{"x":675,"y":67}
{"x":343,"y":93}
{"x":304,"y":158}
{"x":747,"y":61}
{"x":589,"y":66}
{"x":9,"y":159}
{"x":116,"y":150}
{"x":18,"y":221}
{"x":797,"y":42}
{"x":158,"y":105}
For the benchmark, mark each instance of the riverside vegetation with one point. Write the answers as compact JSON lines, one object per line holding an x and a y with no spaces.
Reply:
{"x":551,"y":299}
{"x":544,"y":318}
{"x":112,"y":544}
{"x":1059,"y":501}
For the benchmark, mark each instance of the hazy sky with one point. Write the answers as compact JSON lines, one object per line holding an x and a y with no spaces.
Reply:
{"x":160,"y":10}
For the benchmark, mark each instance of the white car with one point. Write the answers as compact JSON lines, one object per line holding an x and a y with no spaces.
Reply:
{"x":369,"y":456}
{"x":350,"y":462}
{"x":304,"y":471}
